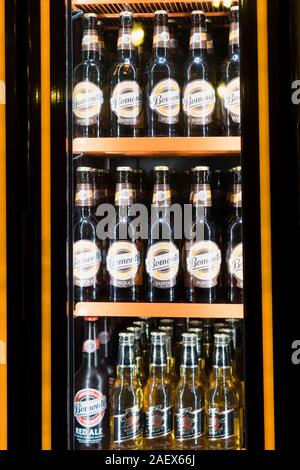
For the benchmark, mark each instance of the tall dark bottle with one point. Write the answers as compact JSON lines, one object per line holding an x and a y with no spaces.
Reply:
{"x":234,"y":242}
{"x":91,"y":405}
{"x":102,"y":48}
{"x":199,"y":98}
{"x":125,"y":253}
{"x":90,"y":93}
{"x":231,"y":102}
{"x":202,"y":254}
{"x":126,"y":100}
{"x":89,"y":272}
{"x":162,"y":259}
{"x":106,"y":359}
{"x":162,"y":89}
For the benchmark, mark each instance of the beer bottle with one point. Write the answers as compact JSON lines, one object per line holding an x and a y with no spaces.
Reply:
{"x":200,"y":354}
{"x":127,"y":402}
{"x":162,"y":259}
{"x":234,"y":242}
{"x":218,"y":196}
{"x":126,"y":93}
{"x":102,"y":49}
{"x":236,"y":326}
{"x":139,"y":359}
{"x":189,"y":400}
{"x":170,"y":354}
{"x":125,"y":253}
{"x":208,"y":345}
{"x":139,"y":186}
{"x":88,"y":267}
{"x":145,"y":334}
{"x":90,"y":98}
{"x":232,"y":355}
{"x":223,"y":403}
{"x":91,"y":406}
{"x":231,"y":102}
{"x":106,"y":360}
{"x":199,"y":97}
{"x":157,"y":408}
{"x":162,"y":89}
{"x":203,"y":276}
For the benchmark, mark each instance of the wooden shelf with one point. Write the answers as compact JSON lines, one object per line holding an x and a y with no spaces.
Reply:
{"x":159,"y":146}
{"x":120,"y":309}
{"x":111,"y":8}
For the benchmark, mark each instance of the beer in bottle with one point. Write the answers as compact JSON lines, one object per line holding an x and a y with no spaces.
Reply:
{"x":158,"y":411}
{"x":199,"y":98}
{"x":145,"y":342}
{"x":200,"y":354}
{"x":179,"y":329}
{"x":125,"y":253}
{"x":170,"y":354}
{"x":162,"y":259}
{"x":162,"y":89}
{"x":189,"y":400}
{"x":139,"y":359}
{"x":203,"y":276}
{"x":90,"y":93}
{"x":231,"y":102}
{"x":223,"y":403}
{"x":91,"y":406}
{"x":234,"y":242}
{"x":236,"y":326}
{"x":127,"y":401}
{"x":126,"y":100}
{"x":88,"y":267}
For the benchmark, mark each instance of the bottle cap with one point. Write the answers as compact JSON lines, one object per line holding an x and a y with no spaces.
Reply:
{"x":126,"y":13}
{"x":90,"y":15}
{"x":201,"y":168}
{"x":84,"y":168}
{"x":160,"y":12}
{"x":161,"y":168}
{"x":235,"y":8}
{"x":197,"y":12}
{"x":126,"y":338}
{"x":123,"y":168}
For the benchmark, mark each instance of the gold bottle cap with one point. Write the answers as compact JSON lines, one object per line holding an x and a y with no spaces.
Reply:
{"x":123,"y":168}
{"x":200,"y":168}
{"x":84,"y":168}
{"x":161,"y":168}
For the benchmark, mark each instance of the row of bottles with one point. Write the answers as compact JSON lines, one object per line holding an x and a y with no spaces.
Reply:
{"x":162,"y":100}
{"x":164,"y":256}
{"x":167,"y":395}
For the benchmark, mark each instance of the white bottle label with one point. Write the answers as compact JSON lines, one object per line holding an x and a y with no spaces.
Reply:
{"x":126,"y":102}
{"x":235,"y":264}
{"x":87,"y":102}
{"x":232,"y":99}
{"x":165,"y":101}
{"x":204,"y":263}
{"x":162,"y":264}
{"x":123,"y":262}
{"x":199,"y":101}
{"x":86,"y":263}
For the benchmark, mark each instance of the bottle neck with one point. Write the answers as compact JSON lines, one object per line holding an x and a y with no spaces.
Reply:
{"x":234,"y":40}
{"x":221,"y":362}
{"x":158,"y":372}
{"x":90,"y":44}
{"x":236,"y":199}
{"x":161,"y":41}
{"x":126,"y":50}
{"x":126,"y":374}
{"x":90,"y":346}
{"x":189,"y":374}
{"x":198,"y":42}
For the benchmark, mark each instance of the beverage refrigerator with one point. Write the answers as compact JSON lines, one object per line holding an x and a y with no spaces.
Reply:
{"x":65,"y":154}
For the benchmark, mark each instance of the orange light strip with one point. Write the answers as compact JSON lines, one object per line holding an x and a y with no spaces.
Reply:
{"x":3,"y":304}
{"x":46,"y":223}
{"x":266,"y":261}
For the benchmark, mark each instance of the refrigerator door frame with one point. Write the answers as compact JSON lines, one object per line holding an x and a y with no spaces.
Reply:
{"x":57,"y":226}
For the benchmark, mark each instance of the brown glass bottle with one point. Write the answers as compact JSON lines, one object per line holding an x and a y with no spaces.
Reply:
{"x":106,"y":359}
{"x":90,"y":93}
{"x":198,"y":98}
{"x":202,"y":254}
{"x":102,"y":48}
{"x":162,"y":259}
{"x":162,"y":87}
{"x":91,"y":401}
{"x":126,"y":100}
{"x":234,"y":242}
{"x":125,"y":253}
{"x":218,"y":188}
{"x":230,"y":76}
{"x":88,"y":251}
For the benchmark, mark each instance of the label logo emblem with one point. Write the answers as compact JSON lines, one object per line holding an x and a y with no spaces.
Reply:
{"x":89,"y":407}
{"x":162,"y":264}
{"x":123,"y":262}
{"x":165,"y":100}
{"x":232,"y":99}
{"x":87,"y":102}
{"x":86,"y":262}
{"x":199,"y":101}
{"x":235,"y":264}
{"x":204,"y":263}
{"x":126,"y":102}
